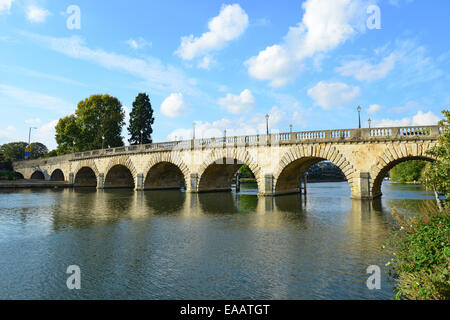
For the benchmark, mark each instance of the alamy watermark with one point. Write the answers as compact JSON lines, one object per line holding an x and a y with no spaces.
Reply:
{"x":374,"y":281}
{"x":74,"y":280}
{"x":374,"y":20}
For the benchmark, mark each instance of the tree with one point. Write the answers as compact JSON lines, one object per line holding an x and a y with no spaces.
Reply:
{"x":437,"y":174}
{"x":38,"y":150}
{"x":141,"y":118}
{"x":96,"y":117}
{"x":407,"y":171}
{"x":14,"y":150}
{"x":68,"y":131}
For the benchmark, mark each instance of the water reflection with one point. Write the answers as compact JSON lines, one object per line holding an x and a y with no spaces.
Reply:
{"x":174,"y":245}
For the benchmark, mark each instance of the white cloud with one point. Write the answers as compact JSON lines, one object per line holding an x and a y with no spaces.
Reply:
{"x":160,"y":78}
{"x":33,"y":121}
{"x":362,"y":70}
{"x":255,"y":124}
{"x":420,"y":119}
{"x":5,"y":6}
{"x":173,"y":105}
{"x":231,"y":23}
{"x":36,"y":14}
{"x":325,"y":25}
{"x":205,"y":63}
{"x":374,"y":108}
{"x":9,"y":133}
{"x":28,"y":99}
{"x":329,"y":95}
{"x":138,"y":43}
{"x":242,"y":103}
{"x":46,"y":134}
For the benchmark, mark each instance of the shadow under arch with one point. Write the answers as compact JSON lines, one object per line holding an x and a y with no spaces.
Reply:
{"x":85,"y":177}
{"x":57,"y":175}
{"x":119,"y":176}
{"x":378,"y":179}
{"x":164,"y":175}
{"x":296,"y":161}
{"x":37,"y":175}
{"x":290,"y":177}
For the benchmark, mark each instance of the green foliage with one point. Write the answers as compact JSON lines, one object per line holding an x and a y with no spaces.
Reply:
{"x":38,"y":150}
{"x":13,"y":151}
{"x":407,"y":171}
{"x":437,"y":174}
{"x":422,"y":256}
{"x":7,"y":174}
{"x":245,"y":172}
{"x":422,"y":245}
{"x":141,"y":118}
{"x":50,"y":154}
{"x":96,"y":116}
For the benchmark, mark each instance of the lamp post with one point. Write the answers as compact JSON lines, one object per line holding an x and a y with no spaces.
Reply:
{"x":29,"y":136}
{"x":73,"y":150}
{"x":290,"y":128}
{"x":142,"y":132}
{"x":369,"y":121}
{"x":103,"y":141}
{"x":225,"y":134}
{"x":267,"y":124}
{"x":193,"y":131}
{"x":359,"y":116}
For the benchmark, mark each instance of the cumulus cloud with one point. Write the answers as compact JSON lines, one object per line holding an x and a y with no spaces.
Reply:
{"x":46,"y":134}
{"x":329,"y":95}
{"x":33,"y":121}
{"x":5,"y":6}
{"x":173,"y":105}
{"x":36,"y":14}
{"x":231,"y":23}
{"x":138,"y":43}
{"x":325,"y":25}
{"x":363,"y":70}
{"x":374,"y":108}
{"x":237,"y":104}
{"x":420,"y":119}
{"x":255,"y":124}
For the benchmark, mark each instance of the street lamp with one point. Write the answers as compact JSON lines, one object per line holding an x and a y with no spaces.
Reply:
{"x":142,"y":132}
{"x":290,"y":128}
{"x":73,"y":146}
{"x":29,"y":135}
{"x":369,"y":121}
{"x":267,"y":124}
{"x":193,"y":131}
{"x":359,"y":116}
{"x":103,"y":141}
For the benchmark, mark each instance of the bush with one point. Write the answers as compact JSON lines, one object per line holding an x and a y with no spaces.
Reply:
{"x":421,"y":262}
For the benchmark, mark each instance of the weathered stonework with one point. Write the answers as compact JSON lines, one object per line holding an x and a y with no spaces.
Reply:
{"x":278,"y":161}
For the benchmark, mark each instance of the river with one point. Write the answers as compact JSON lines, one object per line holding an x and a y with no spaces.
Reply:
{"x":173,"y":245}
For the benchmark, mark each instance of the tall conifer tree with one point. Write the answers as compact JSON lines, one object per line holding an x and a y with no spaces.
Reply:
{"x":141,"y":118}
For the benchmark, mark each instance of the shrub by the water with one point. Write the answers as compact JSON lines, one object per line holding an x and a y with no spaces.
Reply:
{"x":421,"y":262}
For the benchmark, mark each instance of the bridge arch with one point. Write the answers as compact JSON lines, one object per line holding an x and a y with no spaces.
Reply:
{"x":37,"y":175}
{"x":166,"y":171}
{"x":120,"y":173}
{"x":57,"y":175}
{"x":85,"y":177}
{"x":393,"y":155}
{"x":296,"y":161}
{"x":217,"y":171}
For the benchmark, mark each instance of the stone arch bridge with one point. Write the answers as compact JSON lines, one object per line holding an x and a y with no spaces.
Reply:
{"x":278,"y":161}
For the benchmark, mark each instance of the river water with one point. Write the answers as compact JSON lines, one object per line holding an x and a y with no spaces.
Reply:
{"x":173,"y":245}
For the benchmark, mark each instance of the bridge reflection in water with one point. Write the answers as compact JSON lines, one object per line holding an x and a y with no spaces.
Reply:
{"x":176,"y":245}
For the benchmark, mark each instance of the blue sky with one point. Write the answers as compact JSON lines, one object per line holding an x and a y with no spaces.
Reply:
{"x":224,"y":65}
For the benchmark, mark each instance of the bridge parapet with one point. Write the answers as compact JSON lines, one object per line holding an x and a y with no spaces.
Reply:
{"x":305,"y":137}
